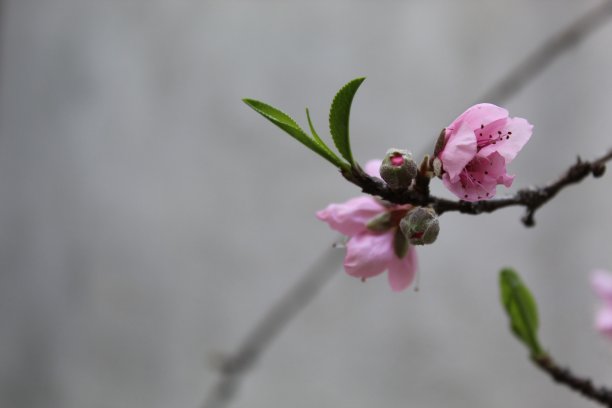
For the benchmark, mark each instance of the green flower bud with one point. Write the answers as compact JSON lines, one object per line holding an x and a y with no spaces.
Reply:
{"x":420,"y":226}
{"x":398,"y":169}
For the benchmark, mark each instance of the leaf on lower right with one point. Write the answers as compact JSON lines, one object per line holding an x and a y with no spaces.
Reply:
{"x":521,"y":309}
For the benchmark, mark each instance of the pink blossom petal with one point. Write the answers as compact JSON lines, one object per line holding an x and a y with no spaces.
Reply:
{"x":508,"y":137}
{"x":478,"y":115}
{"x":494,"y":167}
{"x":372,"y":168}
{"x":601,"y":280}
{"x":469,"y":190}
{"x":402,"y":271}
{"x":506,"y":180}
{"x":491,"y":133}
{"x":603,"y":321}
{"x":458,"y":151}
{"x":368,"y":254}
{"x":473,"y":172}
{"x":349,"y":218}
{"x":478,"y":181}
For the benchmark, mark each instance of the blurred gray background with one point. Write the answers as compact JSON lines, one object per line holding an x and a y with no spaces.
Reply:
{"x":148,"y":217}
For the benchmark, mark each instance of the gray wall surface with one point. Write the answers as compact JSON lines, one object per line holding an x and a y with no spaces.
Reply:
{"x":148,"y":217}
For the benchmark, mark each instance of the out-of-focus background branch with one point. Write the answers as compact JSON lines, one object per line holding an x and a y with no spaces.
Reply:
{"x":135,"y":236}
{"x":541,"y":57}
{"x":234,"y":366}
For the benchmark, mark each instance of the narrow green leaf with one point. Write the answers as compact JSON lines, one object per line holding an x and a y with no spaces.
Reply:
{"x":321,"y":143}
{"x":521,"y":308}
{"x":285,"y":122}
{"x":339,"y":118}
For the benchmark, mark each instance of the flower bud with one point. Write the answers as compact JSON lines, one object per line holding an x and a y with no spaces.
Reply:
{"x":420,"y":226}
{"x":398,"y":169}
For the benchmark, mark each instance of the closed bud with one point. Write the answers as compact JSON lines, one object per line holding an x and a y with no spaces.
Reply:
{"x":398,"y":169}
{"x":420,"y":226}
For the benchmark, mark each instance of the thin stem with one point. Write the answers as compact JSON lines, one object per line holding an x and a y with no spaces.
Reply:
{"x":579,"y":384}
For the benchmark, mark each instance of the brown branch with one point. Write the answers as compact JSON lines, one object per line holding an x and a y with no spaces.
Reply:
{"x":530,"y":198}
{"x":582,"y":385}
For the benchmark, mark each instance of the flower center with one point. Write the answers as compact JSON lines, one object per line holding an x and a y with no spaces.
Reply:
{"x":487,"y":137}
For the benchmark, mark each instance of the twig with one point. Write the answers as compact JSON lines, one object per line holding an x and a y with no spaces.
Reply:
{"x":530,"y":198}
{"x":582,"y":385}
{"x":544,"y":55}
{"x":275,"y":320}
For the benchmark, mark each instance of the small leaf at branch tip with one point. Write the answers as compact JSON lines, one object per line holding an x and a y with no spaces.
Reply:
{"x":290,"y":126}
{"x":341,"y":164}
{"x":521,"y":309}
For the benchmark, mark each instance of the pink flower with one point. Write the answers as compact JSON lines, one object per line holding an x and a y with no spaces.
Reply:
{"x":477,"y":147}
{"x":602,"y":284}
{"x":375,"y":241}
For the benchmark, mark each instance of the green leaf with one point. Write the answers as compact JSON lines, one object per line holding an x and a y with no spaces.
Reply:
{"x":521,"y":308}
{"x":339,"y":118}
{"x":321,"y":143}
{"x":285,"y":122}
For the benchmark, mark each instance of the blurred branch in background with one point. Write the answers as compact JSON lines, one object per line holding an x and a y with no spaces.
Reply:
{"x":233,"y":367}
{"x":305,"y":290}
{"x":544,"y":55}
